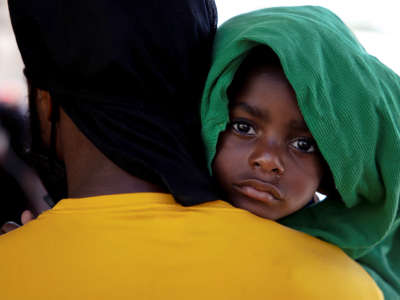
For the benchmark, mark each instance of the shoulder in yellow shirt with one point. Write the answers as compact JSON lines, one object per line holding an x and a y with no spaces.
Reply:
{"x":145,"y":246}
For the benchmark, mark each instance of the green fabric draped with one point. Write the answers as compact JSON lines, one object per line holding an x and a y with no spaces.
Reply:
{"x":351,"y":104}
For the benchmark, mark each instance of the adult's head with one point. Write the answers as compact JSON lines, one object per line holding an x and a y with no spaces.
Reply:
{"x":129,"y":76}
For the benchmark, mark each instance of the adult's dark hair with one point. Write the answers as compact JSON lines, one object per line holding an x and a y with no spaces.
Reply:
{"x":130,"y":75}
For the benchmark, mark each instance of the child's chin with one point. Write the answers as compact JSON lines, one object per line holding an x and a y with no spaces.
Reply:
{"x":259,"y":208}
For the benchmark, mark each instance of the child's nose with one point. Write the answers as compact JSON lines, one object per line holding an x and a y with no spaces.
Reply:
{"x":267,"y":159}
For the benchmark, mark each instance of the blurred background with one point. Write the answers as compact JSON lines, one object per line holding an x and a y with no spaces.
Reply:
{"x":21,"y":188}
{"x":12,"y":83}
{"x":375,"y":23}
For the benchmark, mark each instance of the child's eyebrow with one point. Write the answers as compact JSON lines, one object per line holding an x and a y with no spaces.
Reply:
{"x":251,"y":110}
{"x":254,"y":111}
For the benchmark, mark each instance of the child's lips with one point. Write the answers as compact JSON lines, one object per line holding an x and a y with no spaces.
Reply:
{"x":259,"y":190}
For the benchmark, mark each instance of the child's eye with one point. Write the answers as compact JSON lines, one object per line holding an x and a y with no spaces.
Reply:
{"x":304,"y":144}
{"x":243,"y":128}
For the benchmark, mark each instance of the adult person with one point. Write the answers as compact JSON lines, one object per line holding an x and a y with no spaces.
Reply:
{"x":115,"y":87}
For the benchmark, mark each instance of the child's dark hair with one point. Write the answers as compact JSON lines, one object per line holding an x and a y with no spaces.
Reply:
{"x":259,"y":58}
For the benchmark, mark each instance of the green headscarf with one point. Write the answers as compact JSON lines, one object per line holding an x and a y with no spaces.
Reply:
{"x":351,"y":104}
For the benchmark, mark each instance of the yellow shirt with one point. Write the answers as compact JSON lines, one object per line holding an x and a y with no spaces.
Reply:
{"x":145,"y":246}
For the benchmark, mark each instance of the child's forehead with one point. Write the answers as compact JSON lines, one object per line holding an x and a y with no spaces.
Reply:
{"x":258,"y":59}
{"x":271,"y":75}
{"x":268,"y":95}
{"x":274,"y":74}
{"x":267,"y":82}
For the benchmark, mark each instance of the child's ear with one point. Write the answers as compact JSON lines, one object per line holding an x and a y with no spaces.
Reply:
{"x":315,"y":198}
{"x":327,"y":183}
{"x":327,"y":187}
{"x":323,"y":188}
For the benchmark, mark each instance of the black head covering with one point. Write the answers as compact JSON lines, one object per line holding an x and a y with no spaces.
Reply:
{"x":130,"y":75}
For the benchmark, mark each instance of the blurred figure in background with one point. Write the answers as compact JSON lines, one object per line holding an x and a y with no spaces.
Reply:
{"x":21,"y":189}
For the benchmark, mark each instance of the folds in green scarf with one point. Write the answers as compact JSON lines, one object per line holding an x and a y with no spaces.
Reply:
{"x":351,"y":104}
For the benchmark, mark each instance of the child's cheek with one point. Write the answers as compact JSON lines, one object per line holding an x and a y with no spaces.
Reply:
{"x":225,"y":160}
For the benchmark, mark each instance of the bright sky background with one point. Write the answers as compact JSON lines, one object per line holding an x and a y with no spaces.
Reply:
{"x":375,"y":23}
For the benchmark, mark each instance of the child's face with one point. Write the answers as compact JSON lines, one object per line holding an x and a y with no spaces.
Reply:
{"x":267,"y":161}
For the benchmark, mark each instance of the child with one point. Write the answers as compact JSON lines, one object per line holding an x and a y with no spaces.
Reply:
{"x":267,"y":160}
